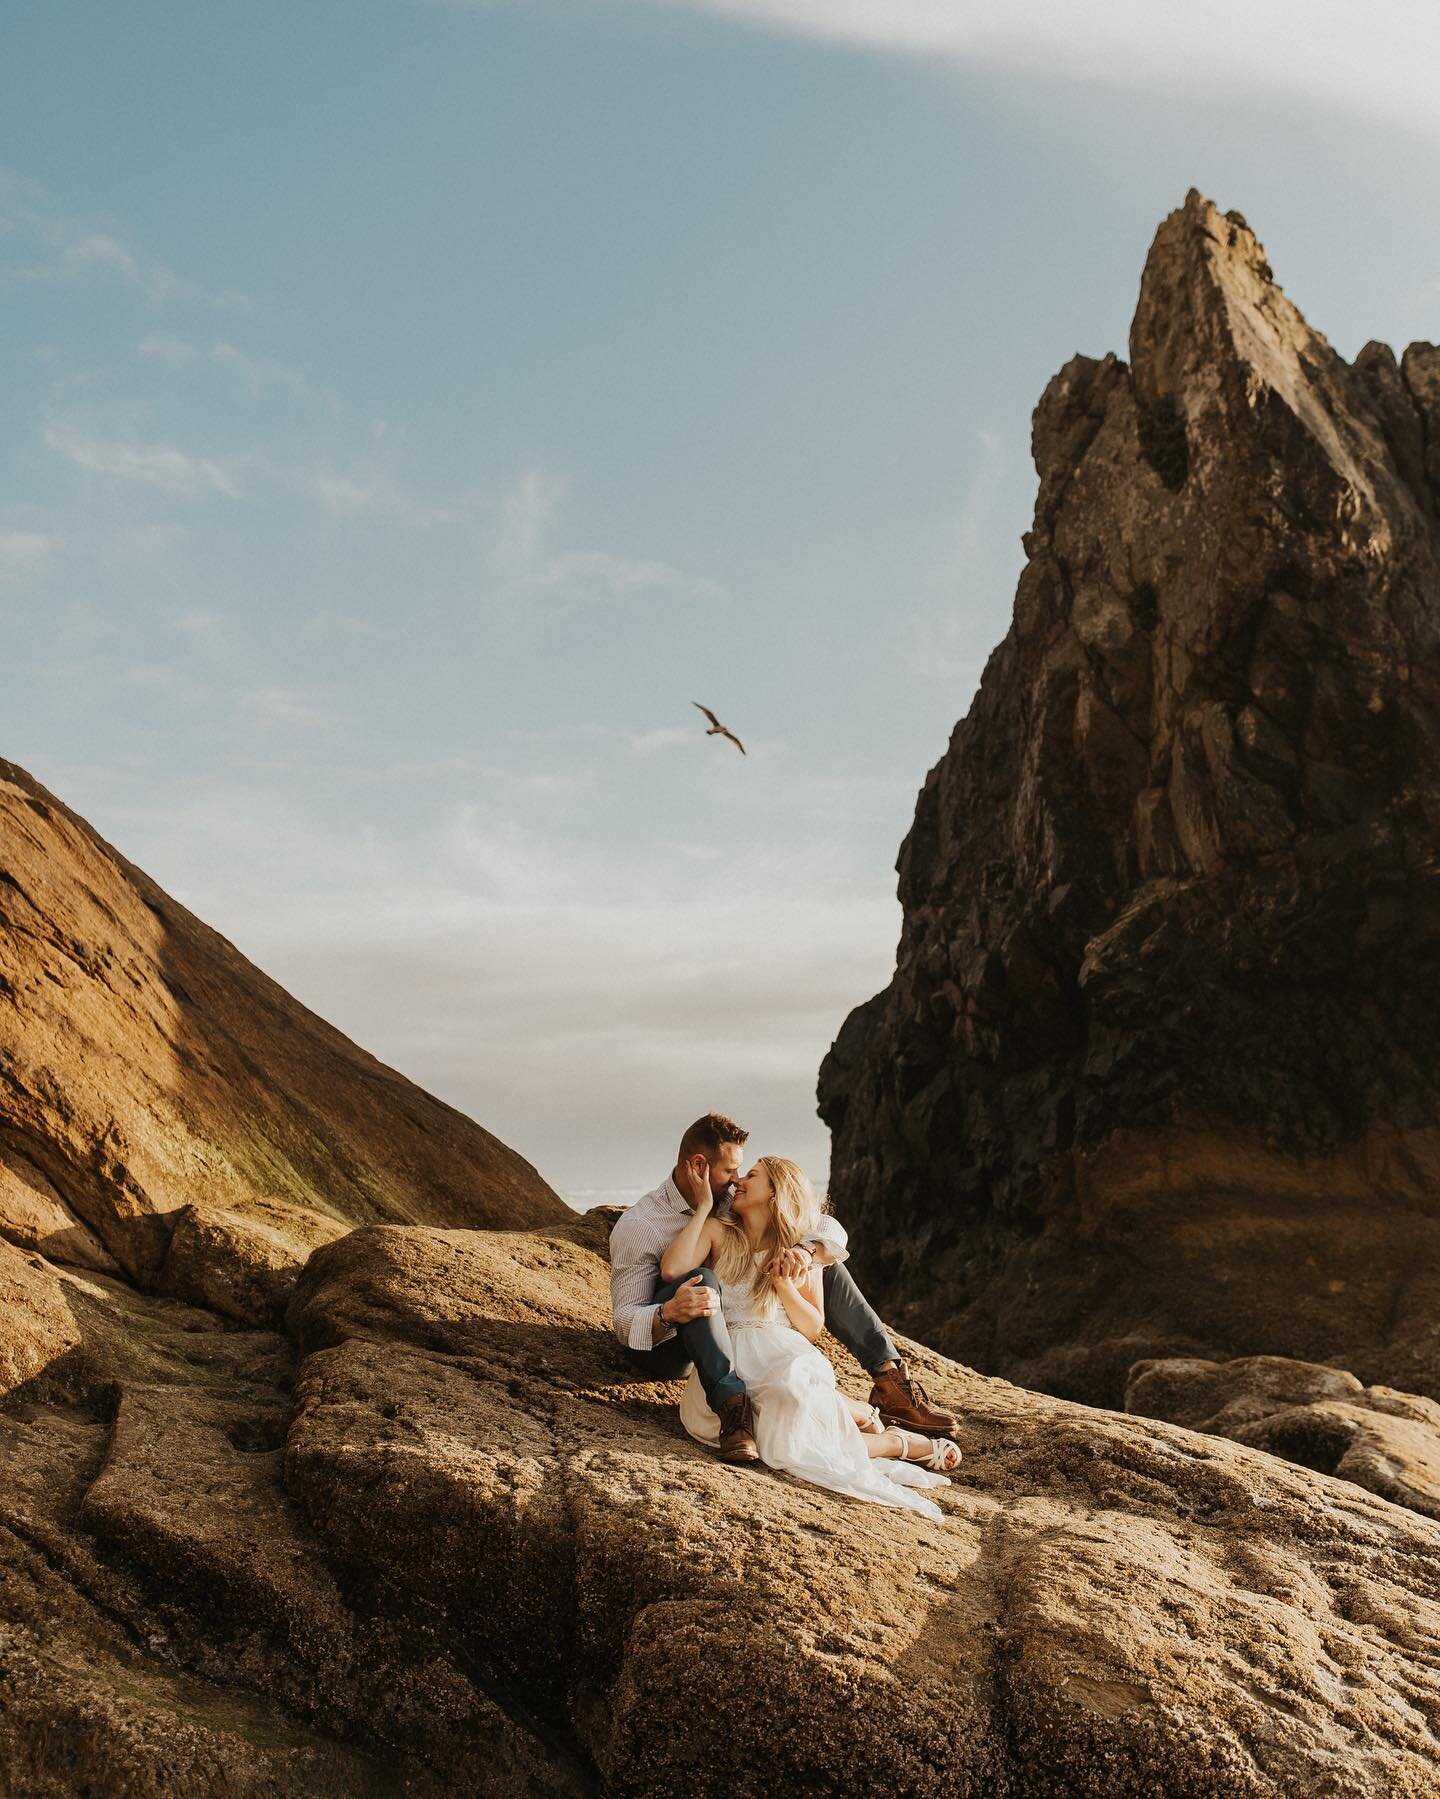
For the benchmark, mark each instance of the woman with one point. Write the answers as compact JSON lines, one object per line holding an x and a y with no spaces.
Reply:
{"x":803,"y":1424}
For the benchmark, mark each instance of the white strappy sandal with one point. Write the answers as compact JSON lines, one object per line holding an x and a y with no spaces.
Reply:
{"x":943,"y":1456}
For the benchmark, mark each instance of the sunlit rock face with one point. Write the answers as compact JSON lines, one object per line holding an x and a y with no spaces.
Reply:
{"x":1320,"y":1417}
{"x":1156,"y":1073}
{"x":170,"y":1115}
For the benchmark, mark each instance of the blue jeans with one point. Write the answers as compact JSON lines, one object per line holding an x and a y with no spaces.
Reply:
{"x":849,"y":1317}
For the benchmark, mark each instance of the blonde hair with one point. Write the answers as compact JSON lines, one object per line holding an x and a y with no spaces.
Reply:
{"x":794,"y":1213}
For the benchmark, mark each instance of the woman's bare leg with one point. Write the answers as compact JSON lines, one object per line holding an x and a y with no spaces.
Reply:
{"x":880,"y":1442}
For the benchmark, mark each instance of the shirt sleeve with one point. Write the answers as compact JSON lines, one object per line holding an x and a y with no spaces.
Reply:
{"x":832,"y":1236}
{"x":632,"y":1294}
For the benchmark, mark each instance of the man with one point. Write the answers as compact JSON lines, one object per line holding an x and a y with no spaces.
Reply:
{"x":667,"y":1325}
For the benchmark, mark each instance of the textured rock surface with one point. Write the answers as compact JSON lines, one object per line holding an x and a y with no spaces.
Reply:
{"x":1322,"y":1418}
{"x":436,"y":1536}
{"x":175,"y":1128}
{"x":458,"y":1547}
{"x":1156,"y":1074}
{"x":1109,"y":1605}
{"x":39,"y":1326}
{"x":169,"y":1112}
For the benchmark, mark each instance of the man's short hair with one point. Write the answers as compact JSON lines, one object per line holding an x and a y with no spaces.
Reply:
{"x":705,"y":1136}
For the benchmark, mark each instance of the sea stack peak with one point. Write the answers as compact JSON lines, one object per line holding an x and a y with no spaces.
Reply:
{"x":1157,"y":1070}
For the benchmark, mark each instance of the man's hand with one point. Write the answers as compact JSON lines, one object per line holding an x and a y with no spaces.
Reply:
{"x":693,"y":1300}
{"x":695,"y":1183}
{"x":791,"y":1264}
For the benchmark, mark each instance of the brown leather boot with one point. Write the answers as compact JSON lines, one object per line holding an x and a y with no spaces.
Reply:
{"x":904,"y":1401}
{"x":737,"y":1430}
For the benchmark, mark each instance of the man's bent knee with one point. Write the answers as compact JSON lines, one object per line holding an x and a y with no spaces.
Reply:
{"x":707,"y":1276}
{"x":668,"y":1289}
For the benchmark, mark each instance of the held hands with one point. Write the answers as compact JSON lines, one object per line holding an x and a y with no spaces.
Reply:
{"x":693,"y":1300}
{"x":791,"y":1264}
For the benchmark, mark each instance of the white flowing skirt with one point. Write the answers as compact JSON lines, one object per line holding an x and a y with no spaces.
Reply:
{"x":802,"y":1425}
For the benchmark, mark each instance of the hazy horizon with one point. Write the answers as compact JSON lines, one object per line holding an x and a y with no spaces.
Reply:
{"x":414,"y":406}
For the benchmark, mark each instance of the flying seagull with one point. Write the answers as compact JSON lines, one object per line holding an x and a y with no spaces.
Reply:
{"x":717,"y":729}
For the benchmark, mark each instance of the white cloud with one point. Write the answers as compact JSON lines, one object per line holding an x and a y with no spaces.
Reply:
{"x":174,"y":351}
{"x":344,"y":495}
{"x":619,"y":574}
{"x":642,"y":741}
{"x":98,"y":250}
{"x":1378,"y":61}
{"x":153,"y":465}
{"x":175,"y":684}
{"x":365,"y":488}
{"x":526,"y":511}
{"x":952,"y":631}
{"x":199,"y":624}
{"x":256,"y":371}
{"x":526,"y":515}
{"x":64,"y":251}
{"x":270,"y":708}
{"x":26,"y":555}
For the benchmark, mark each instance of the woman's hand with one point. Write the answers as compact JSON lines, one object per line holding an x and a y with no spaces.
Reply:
{"x":695,"y":1184}
{"x":791,"y":1264}
{"x":803,"y":1303}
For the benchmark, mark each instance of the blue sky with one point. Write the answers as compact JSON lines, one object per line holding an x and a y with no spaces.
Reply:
{"x":409,"y":408}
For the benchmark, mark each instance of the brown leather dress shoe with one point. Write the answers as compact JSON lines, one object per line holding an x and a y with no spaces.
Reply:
{"x":904,"y":1401}
{"x":737,"y":1430}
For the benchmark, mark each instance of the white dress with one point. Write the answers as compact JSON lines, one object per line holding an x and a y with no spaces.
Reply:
{"x":801,"y":1423}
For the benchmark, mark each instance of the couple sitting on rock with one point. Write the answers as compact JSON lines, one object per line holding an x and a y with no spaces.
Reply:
{"x":734,"y":1277}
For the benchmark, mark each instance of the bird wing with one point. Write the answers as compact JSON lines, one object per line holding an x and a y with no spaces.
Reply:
{"x":725,"y":732}
{"x":709,"y":714}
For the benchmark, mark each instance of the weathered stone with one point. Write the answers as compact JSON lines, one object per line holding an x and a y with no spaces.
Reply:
{"x":176,"y":1135}
{"x":1110,"y":1605}
{"x":37,"y":1327}
{"x":1156,"y":1071}
{"x":33,"y":1216}
{"x":1322,"y":1418}
{"x":470,"y":1549}
{"x":238,"y":1266}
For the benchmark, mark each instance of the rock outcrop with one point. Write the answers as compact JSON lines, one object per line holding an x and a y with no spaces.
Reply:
{"x":460,"y":1547}
{"x":1157,"y":1071}
{"x":1322,"y":1418}
{"x":169,"y":1114}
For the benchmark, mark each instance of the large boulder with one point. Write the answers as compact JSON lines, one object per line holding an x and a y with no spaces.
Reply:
{"x":1321,"y":1417}
{"x":1156,"y":1074}
{"x":37,"y":1326}
{"x":444,"y":1537}
{"x":1109,"y":1606}
{"x":151,"y":1078}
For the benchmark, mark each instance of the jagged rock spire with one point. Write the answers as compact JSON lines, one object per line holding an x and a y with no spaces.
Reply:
{"x":1166,"y":991}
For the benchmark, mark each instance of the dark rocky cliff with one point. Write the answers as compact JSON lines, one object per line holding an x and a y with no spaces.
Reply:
{"x":1157,"y":1070}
